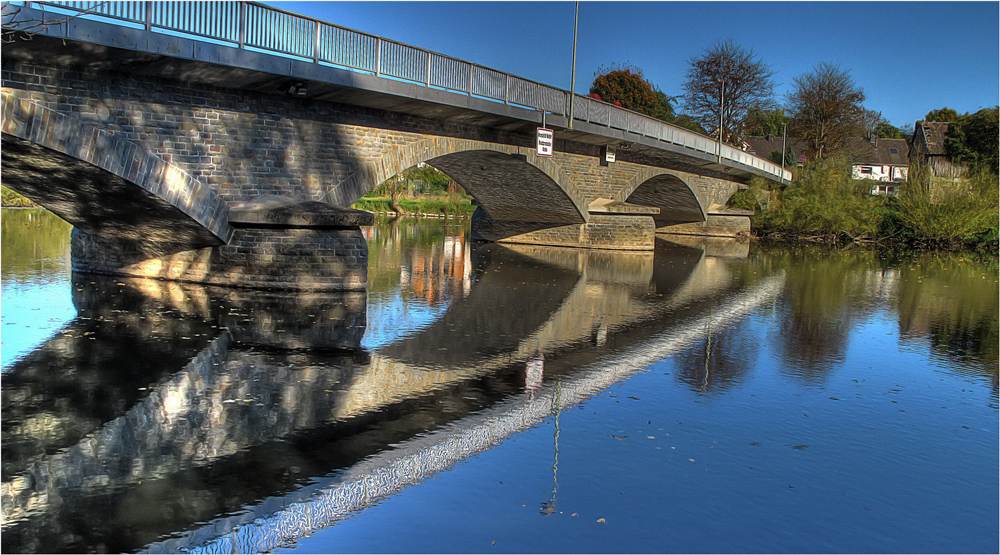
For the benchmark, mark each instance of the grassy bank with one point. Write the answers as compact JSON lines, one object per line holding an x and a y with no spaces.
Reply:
{"x":458,"y":206}
{"x":10,"y":199}
{"x":823,"y":204}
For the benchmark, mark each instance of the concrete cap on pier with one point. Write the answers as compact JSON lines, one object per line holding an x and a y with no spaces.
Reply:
{"x":276,"y":210}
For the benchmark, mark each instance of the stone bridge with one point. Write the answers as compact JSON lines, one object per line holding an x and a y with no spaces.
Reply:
{"x":224,"y":142}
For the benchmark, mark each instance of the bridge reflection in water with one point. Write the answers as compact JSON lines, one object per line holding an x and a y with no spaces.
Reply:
{"x":171,"y":417}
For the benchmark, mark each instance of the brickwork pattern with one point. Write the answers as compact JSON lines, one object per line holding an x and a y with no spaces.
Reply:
{"x":29,"y":120}
{"x":245,"y":144}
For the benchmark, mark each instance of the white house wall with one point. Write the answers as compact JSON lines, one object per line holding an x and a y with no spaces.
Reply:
{"x":884,"y":173}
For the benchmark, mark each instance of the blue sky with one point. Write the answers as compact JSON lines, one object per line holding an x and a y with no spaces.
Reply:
{"x":910,"y":57}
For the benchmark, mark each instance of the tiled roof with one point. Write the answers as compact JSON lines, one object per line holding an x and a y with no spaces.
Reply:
{"x":764,"y":146}
{"x":883,"y":152}
{"x":934,"y":134}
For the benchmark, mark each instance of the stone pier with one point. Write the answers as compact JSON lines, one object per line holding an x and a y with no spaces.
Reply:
{"x":277,"y":243}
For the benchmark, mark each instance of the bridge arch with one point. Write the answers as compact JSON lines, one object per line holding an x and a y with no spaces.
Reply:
{"x":510,"y":183}
{"x":103,"y":184}
{"x":665,"y":190}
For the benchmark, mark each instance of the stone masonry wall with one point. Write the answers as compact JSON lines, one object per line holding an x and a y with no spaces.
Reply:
{"x":245,"y":144}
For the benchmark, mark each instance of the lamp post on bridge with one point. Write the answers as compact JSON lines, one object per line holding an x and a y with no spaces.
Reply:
{"x":784,"y":137}
{"x":722,"y":108}
{"x":572,"y":79}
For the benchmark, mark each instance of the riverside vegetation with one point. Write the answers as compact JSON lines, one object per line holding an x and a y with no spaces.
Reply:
{"x":824,"y":204}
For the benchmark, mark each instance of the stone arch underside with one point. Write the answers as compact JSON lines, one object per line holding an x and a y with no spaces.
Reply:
{"x":668,"y":192}
{"x":104,"y":185}
{"x":507,"y":183}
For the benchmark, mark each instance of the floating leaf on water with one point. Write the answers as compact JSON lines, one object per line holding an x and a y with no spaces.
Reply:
{"x":602,"y":521}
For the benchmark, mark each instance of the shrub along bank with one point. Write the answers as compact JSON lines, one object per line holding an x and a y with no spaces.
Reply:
{"x":432,"y":205}
{"x":823,"y":203}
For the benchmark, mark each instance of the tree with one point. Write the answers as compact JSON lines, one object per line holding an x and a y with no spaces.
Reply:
{"x":873,"y":124}
{"x":907,"y":130}
{"x":974,"y":139}
{"x":689,"y":123}
{"x":825,"y":106}
{"x":625,"y":85}
{"x":727,"y":69}
{"x":761,"y":123}
{"x":946,"y":115}
{"x":886,"y":130}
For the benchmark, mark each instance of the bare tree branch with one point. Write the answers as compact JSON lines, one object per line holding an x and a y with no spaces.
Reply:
{"x":826,"y":108}
{"x":728,"y":70}
{"x":25,"y":28}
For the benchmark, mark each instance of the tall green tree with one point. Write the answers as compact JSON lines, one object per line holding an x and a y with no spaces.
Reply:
{"x":974,"y":139}
{"x":944,"y":114}
{"x":725,"y":83}
{"x":759,"y":122}
{"x":826,"y":107}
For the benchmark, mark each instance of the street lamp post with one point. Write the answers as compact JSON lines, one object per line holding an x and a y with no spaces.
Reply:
{"x":572,"y":84}
{"x":722,"y":107}
{"x":784,"y":137}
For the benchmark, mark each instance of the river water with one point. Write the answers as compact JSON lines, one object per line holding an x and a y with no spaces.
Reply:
{"x":708,"y":397}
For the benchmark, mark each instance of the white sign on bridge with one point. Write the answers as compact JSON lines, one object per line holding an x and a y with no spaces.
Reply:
{"x":544,"y":140}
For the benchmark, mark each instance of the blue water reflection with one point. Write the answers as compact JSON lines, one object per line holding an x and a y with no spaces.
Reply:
{"x":705,"y":398}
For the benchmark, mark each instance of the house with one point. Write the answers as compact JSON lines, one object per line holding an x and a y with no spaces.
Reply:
{"x":886,"y":161}
{"x":928,"y":149}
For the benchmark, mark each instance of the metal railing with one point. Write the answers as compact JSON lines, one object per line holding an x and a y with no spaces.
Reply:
{"x":273,"y":30}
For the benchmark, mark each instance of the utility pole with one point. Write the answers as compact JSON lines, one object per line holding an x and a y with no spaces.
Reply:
{"x":572,"y":79}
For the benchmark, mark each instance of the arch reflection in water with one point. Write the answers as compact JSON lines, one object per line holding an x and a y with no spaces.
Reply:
{"x":420,"y":458}
{"x":265,"y":407}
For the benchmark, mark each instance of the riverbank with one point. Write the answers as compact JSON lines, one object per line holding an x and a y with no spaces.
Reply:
{"x":823,"y":204}
{"x":445,"y":206}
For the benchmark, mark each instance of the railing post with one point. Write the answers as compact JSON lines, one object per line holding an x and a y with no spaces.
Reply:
{"x":469,"y":86}
{"x":149,"y":15}
{"x":316,"y":42}
{"x":241,"y":29}
{"x":506,"y":88}
{"x":378,"y":55}
{"x":428,"y":69}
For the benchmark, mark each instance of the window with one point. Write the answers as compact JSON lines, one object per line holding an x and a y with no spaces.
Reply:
{"x":866,"y":170}
{"x":893,"y":150}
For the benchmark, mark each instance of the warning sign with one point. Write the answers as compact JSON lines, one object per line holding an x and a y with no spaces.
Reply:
{"x":544,"y":141}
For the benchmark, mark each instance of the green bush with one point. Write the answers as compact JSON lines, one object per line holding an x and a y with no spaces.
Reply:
{"x":823,"y":200}
{"x":950,"y":211}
